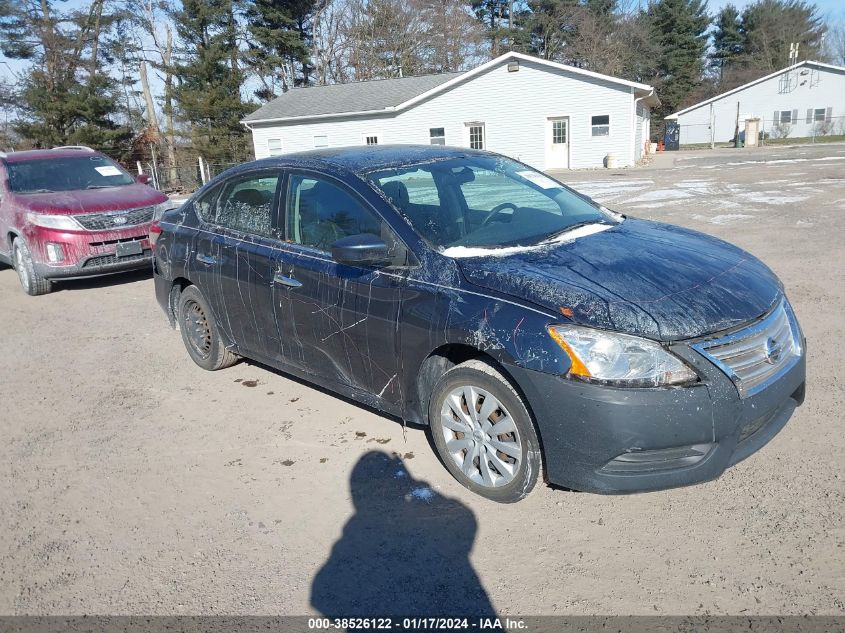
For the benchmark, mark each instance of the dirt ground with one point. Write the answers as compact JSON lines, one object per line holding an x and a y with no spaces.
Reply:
{"x":133,"y":482}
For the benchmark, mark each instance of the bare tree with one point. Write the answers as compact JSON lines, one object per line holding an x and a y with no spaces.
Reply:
{"x":835,"y":43}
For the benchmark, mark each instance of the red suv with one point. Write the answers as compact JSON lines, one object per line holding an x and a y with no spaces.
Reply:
{"x":72,"y":212}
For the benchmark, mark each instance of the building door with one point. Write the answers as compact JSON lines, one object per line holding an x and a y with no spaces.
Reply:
{"x":557,"y":143}
{"x":752,"y":132}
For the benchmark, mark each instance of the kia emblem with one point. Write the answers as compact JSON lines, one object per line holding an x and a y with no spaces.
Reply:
{"x":120,"y":219}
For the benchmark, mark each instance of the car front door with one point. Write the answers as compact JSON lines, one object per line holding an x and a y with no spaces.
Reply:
{"x":336,"y":321}
{"x":235,"y":259}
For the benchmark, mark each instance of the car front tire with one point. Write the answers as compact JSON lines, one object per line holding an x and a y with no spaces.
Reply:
{"x":484,"y":433}
{"x":200,"y":333}
{"x":32,"y":283}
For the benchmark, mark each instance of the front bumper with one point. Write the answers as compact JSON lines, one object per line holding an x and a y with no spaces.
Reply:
{"x":88,"y":253}
{"x":612,"y":440}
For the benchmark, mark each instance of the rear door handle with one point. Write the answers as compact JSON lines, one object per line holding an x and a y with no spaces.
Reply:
{"x":206,"y":259}
{"x":279,"y":278}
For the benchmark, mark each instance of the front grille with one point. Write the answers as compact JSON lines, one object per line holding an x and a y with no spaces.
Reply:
{"x":758,"y":354}
{"x":115,"y":220}
{"x":105,"y":260}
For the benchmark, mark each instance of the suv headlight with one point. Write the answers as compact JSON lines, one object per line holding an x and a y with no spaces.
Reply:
{"x":619,"y":359}
{"x":50,"y":221}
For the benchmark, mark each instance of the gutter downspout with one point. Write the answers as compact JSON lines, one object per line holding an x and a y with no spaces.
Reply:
{"x":634,"y":129}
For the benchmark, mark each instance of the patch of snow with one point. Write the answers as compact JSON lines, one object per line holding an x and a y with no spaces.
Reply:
{"x":423,"y":494}
{"x":766,"y":198}
{"x":661,"y":194}
{"x":725,"y":218}
{"x":457,"y":252}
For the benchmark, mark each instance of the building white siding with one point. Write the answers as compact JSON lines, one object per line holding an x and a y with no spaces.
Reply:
{"x":514,"y":107}
{"x":643,"y":129}
{"x":816,"y":88}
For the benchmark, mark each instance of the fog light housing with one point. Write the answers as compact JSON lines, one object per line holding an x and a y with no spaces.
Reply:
{"x":55,"y":252}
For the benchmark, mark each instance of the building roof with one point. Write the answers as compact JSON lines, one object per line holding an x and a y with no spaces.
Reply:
{"x":360,"y":96}
{"x":392,"y":95}
{"x":808,"y":62}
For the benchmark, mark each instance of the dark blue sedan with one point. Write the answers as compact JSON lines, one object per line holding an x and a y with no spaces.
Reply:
{"x":531,"y":329}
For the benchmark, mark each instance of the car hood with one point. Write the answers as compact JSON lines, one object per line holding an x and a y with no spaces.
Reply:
{"x":92,"y":200}
{"x":639,"y":277}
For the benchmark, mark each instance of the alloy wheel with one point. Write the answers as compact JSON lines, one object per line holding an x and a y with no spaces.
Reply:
{"x":21,"y":266}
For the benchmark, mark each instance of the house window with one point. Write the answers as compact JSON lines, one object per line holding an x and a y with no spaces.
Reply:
{"x":274,"y":146}
{"x":820,"y":114}
{"x":371,"y":139}
{"x":559,"y":132}
{"x":601,"y":125}
{"x":784,"y":118}
{"x":321,"y":140}
{"x":476,"y":135}
{"x":437,"y":135}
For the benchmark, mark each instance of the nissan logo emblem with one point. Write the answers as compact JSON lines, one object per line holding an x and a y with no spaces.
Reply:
{"x":773,"y":351}
{"x":121,"y":219}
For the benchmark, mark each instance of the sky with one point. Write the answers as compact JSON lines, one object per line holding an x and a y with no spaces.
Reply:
{"x":828,"y":8}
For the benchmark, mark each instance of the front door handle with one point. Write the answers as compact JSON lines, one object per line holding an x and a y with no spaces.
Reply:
{"x":280,"y":278}
{"x":206,"y":259}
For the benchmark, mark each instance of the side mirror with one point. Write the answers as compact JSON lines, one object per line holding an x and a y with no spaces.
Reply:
{"x":364,"y":249}
{"x":144,"y":179}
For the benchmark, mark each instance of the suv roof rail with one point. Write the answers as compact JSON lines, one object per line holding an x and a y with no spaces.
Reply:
{"x":83,"y":148}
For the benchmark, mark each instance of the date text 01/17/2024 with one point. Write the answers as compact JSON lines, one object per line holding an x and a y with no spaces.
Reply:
{"x":415,"y":624}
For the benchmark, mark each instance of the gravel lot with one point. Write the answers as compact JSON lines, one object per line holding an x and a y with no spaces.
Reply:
{"x":132,"y":482}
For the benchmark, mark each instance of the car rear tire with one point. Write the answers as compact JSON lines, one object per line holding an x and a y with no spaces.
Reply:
{"x":200,"y":333}
{"x":484,"y":433}
{"x":32,"y":283}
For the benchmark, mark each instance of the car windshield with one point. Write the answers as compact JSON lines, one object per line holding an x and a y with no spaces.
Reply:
{"x":485,"y":201}
{"x":66,"y":174}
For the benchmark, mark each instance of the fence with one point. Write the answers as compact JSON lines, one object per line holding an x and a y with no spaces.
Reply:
{"x":183,"y":177}
{"x":791,"y":126}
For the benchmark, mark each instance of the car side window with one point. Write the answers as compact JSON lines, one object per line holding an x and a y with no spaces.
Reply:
{"x":320,"y":213}
{"x":204,"y":205}
{"x":246,"y":204}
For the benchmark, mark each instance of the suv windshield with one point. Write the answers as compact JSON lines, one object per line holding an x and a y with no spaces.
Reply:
{"x":485,"y":201}
{"x":66,"y":174}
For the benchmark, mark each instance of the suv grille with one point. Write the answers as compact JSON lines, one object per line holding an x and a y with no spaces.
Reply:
{"x":754,"y":356}
{"x":113,"y":220}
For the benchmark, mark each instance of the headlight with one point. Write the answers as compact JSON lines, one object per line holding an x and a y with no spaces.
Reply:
{"x":48,"y":221}
{"x":619,"y":359}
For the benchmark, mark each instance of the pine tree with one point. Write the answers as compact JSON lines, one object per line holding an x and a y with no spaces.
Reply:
{"x":770,"y":26}
{"x":66,"y":97}
{"x":727,"y":40}
{"x":678,"y":27}
{"x":280,"y":32}
{"x":208,"y":95}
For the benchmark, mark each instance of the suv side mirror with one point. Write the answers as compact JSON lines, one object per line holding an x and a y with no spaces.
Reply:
{"x":144,"y":179}
{"x":364,"y":249}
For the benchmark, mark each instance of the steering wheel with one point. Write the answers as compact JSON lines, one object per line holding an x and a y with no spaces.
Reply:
{"x":497,"y":210}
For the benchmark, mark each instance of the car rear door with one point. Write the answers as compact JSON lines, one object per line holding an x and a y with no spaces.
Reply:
{"x":234,"y":258}
{"x":338,"y":322}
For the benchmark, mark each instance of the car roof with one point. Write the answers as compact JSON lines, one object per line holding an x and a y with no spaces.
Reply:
{"x":369,"y":158}
{"x":39,"y":154}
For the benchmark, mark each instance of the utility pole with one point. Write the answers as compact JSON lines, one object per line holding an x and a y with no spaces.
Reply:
{"x":736,"y":127}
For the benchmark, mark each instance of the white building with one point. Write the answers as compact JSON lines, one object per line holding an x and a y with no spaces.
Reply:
{"x":549,"y":115}
{"x":797,"y":101}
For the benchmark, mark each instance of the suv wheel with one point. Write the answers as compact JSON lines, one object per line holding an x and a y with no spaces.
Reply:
{"x":200,"y":333}
{"x":484,"y":433}
{"x":32,"y":283}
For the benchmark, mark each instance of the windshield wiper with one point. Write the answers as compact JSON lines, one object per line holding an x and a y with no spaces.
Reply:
{"x":100,"y":186}
{"x":36,"y":191}
{"x":572,"y":227}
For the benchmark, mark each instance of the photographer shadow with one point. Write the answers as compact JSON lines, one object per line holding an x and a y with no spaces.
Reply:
{"x":405,"y":552}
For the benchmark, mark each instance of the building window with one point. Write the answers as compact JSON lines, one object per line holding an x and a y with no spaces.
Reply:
{"x":559,"y":132}
{"x":321,"y":140}
{"x":371,"y":139}
{"x":437,"y":135}
{"x":476,"y":135}
{"x":601,"y":125}
{"x":784,"y":117}
{"x":274,"y":146}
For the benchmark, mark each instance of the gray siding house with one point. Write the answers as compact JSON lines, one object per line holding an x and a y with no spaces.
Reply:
{"x":546,"y":114}
{"x":799,"y":101}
